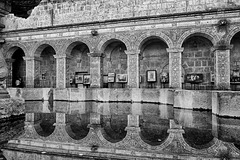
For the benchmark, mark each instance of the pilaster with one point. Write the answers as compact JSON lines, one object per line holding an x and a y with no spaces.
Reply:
{"x":133,"y":68}
{"x":96,"y":69}
{"x":32,"y":69}
{"x":61,"y":62}
{"x":175,"y":67}
{"x":222,"y":67}
{"x":9,"y":62}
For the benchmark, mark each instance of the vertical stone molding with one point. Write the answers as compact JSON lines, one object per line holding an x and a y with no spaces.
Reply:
{"x":96,"y":69}
{"x":175,"y":67}
{"x":9,"y":62}
{"x":32,"y":63}
{"x":222,"y":67}
{"x":133,"y":68}
{"x":61,"y":62}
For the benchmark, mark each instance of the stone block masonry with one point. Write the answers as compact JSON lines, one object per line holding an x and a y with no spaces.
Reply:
{"x":71,"y":12}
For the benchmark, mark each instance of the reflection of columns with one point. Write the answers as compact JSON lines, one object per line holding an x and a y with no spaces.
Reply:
{"x":96,"y":69}
{"x":133,"y":68}
{"x":61,"y":71}
{"x":175,"y":67}
{"x":32,"y":70}
{"x":222,"y":67}
{"x":9,"y":62}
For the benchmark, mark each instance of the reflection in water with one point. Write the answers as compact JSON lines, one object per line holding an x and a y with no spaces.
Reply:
{"x":77,"y":125}
{"x":197,"y":126}
{"x":200,"y":126}
{"x":43,"y":123}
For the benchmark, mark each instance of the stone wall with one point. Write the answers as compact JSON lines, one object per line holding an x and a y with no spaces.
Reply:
{"x":198,"y":58}
{"x":153,"y":57}
{"x":71,"y":12}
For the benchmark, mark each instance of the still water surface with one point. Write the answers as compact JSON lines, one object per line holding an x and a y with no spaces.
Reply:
{"x":200,"y":126}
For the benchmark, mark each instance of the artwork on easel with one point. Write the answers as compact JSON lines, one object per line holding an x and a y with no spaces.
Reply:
{"x":86,"y":79}
{"x":121,"y":78}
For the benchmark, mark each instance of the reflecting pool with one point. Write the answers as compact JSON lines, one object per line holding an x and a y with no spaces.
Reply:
{"x":92,"y":128}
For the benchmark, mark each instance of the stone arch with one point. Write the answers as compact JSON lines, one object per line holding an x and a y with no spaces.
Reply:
{"x":39,"y":47}
{"x":232,"y":33}
{"x":197,"y":32}
{"x":71,"y":43}
{"x":110,"y":38}
{"x":147,"y":36}
{"x":9,"y":50}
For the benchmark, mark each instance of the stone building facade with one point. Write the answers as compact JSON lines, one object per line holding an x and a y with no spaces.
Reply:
{"x":128,"y":37}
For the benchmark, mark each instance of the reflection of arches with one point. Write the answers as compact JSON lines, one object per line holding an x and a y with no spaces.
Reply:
{"x":77,"y":126}
{"x":153,"y":56}
{"x":231,"y":34}
{"x":154,"y":129}
{"x":45,"y":67}
{"x":79,"y":60}
{"x":44,"y":123}
{"x":114,"y":128}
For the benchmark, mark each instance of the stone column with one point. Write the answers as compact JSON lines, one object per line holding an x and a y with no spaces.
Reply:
{"x":133,"y":68}
{"x":175,"y":67}
{"x":61,"y":62}
{"x":9,"y":62}
{"x":32,"y":64}
{"x":222,"y":67}
{"x":96,"y":69}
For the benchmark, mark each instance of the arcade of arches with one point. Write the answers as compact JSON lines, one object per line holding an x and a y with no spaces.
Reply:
{"x":198,"y":55}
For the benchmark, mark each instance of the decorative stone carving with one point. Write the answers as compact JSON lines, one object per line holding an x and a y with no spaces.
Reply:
{"x":96,"y":69}
{"x":222,"y":67}
{"x":61,"y":63}
{"x":133,"y":68}
{"x":175,"y":67}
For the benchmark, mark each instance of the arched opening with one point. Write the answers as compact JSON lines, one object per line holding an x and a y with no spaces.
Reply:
{"x":235,"y":62}
{"x":197,"y":63}
{"x":78,"y":66}
{"x":115,"y":65}
{"x":154,"y":59}
{"x":45,"y":68}
{"x":18,"y":70}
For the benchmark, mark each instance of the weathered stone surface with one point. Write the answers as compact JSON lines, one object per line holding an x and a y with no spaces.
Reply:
{"x":11,"y":106}
{"x":193,"y":99}
{"x":226,"y":104}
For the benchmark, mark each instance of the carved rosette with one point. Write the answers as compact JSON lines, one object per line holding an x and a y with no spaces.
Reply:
{"x":222,"y":69}
{"x":61,"y":71}
{"x":175,"y":69}
{"x":96,"y":68}
{"x":133,"y":69}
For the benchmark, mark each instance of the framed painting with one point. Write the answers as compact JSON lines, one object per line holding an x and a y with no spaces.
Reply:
{"x":111,"y":74}
{"x":86,"y":79}
{"x":151,"y":76}
{"x":121,"y":78}
{"x":111,"y":79}
{"x":79,"y":79}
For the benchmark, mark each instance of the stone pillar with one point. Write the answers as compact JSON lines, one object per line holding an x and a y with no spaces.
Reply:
{"x":175,"y":67}
{"x":96,"y":69}
{"x":222,"y":67}
{"x":32,"y":64}
{"x":133,"y":68}
{"x":61,"y":62}
{"x":9,"y":62}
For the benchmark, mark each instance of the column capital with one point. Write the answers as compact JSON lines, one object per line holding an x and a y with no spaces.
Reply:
{"x":59,"y":56}
{"x":175,"y":50}
{"x":221,"y":47}
{"x":132,"y":52}
{"x":29,"y":58}
{"x":95,"y":54}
